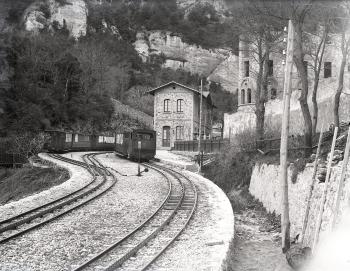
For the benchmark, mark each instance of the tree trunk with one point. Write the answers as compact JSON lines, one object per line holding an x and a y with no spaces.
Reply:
{"x":315,"y":105}
{"x":344,"y":48}
{"x":261,"y":92}
{"x":317,"y":69}
{"x":299,"y":61}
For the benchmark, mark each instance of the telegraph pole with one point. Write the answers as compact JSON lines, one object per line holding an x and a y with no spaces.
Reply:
{"x":285,"y":223}
{"x":200,"y":128}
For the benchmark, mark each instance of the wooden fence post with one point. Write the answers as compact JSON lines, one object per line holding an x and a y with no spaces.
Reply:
{"x":306,"y":217}
{"x":341,"y":181}
{"x":325,"y":191}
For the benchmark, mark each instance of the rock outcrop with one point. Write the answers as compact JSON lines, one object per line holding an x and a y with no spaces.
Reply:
{"x":218,"y":64}
{"x":219,"y":5}
{"x":42,"y":14}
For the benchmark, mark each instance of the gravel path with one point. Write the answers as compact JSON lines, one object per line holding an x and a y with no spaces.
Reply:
{"x":78,"y":178}
{"x":74,"y":238}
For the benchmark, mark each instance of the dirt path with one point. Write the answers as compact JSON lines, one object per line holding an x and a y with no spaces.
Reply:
{"x":257,"y":243}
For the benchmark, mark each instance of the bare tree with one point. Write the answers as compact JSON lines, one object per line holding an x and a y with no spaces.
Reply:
{"x":317,"y":45}
{"x":262,"y":34}
{"x":344,"y":45}
{"x":27,"y":144}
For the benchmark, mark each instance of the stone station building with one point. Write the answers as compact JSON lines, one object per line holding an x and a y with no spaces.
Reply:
{"x":176,"y":113}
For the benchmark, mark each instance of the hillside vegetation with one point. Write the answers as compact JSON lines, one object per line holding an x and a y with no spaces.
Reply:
{"x":61,"y":82}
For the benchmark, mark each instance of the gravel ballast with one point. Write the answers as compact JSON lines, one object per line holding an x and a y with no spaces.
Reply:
{"x":74,"y":238}
{"x":205,"y":244}
{"x":78,"y":178}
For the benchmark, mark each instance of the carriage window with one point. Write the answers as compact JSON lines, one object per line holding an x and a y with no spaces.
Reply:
{"x":68,"y":137}
{"x":179,"y":132}
{"x":179,"y":105}
{"x":83,"y":138}
{"x":119,"y":139}
{"x":166,"y":105}
{"x":109,"y":139}
{"x":144,"y":136}
{"x":100,"y":139}
{"x":75,"y":138}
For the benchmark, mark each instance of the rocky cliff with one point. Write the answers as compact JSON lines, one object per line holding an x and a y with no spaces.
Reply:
{"x":219,"y":5}
{"x":218,"y":64}
{"x":72,"y":13}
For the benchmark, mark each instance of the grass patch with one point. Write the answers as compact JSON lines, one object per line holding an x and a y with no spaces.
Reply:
{"x":21,"y":182}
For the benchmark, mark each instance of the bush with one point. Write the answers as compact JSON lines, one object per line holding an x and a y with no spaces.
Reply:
{"x":232,"y":169}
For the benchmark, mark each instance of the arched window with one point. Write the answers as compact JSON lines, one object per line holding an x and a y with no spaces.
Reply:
{"x":249,"y":96}
{"x":273,"y":93}
{"x":179,"y":105}
{"x":166,"y":105}
{"x":242,"y":96}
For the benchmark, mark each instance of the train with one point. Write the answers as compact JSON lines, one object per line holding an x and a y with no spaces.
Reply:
{"x":139,"y":143}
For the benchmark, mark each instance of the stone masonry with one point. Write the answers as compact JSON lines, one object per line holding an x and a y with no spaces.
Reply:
{"x":171,"y":118}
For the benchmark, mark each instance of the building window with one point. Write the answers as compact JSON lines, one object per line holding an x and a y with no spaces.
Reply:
{"x":242,"y":96}
{"x":179,"y":132}
{"x":306,"y":66}
{"x":166,"y":105}
{"x":179,"y":105}
{"x":246,"y":68}
{"x":249,"y":96}
{"x":270,"y":68}
{"x":327,"y":69}
{"x":273,"y":93}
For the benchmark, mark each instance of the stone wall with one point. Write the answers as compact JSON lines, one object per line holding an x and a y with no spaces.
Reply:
{"x":245,"y":119}
{"x":265,"y":186}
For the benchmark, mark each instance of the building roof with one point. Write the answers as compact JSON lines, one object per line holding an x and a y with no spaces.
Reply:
{"x":206,"y":94}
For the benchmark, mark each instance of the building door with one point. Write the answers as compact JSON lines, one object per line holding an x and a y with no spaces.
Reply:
{"x":166,"y":136}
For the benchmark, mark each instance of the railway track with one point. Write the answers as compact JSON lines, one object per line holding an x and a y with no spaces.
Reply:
{"x":27,"y":221}
{"x":150,"y":239}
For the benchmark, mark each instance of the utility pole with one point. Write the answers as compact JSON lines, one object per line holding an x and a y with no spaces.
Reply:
{"x":200,"y":127}
{"x":285,"y":223}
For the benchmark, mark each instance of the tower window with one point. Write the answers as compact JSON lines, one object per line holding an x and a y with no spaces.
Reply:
{"x":270,"y":68}
{"x":242,"y":96}
{"x":305,"y":65}
{"x":273,"y":93}
{"x":249,"y":96}
{"x":246,"y":68}
{"x":327,"y":69}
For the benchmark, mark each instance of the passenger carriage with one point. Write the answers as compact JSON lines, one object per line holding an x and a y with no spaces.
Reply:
{"x":138,"y":142}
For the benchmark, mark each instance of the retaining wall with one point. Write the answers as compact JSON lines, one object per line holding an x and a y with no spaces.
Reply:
{"x":265,"y":186}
